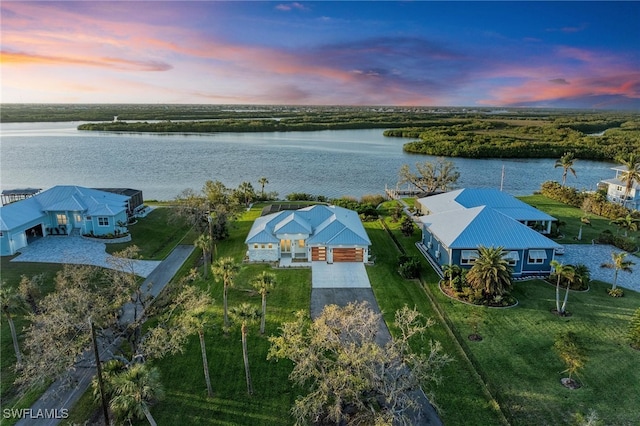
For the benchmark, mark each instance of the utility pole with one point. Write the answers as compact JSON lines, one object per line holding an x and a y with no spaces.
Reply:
{"x":105,"y":407}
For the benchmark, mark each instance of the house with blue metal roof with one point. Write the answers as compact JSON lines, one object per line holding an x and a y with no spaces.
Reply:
{"x":315,"y":233}
{"x":62,"y":211}
{"x":456,"y":223}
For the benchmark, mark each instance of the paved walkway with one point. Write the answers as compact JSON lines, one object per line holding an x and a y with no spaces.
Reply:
{"x":594,"y":255}
{"x":64,"y":393}
{"x":76,"y":250}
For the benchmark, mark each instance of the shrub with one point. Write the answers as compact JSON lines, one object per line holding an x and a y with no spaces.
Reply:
{"x":373,"y":199}
{"x":595,"y":202}
{"x":408,"y":266}
{"x":615,"y":292}
{"x":623,"y":243}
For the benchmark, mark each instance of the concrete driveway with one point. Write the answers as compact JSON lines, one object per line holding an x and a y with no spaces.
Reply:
{"x":344,"y":283}
{"x":76,"y":250}
{"x":339,"y":275}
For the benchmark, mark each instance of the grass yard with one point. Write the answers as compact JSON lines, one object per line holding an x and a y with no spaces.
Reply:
{"x":517,"y":360}
{"x":571,"y":217}
{"x":517,"y":356}
{"x":460,"y":396}
{"x":157,"y":235}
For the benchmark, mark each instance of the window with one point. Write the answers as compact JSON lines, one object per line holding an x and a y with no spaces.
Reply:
{"x":619,"y":188}
{"x":537,"y":256}
{"x":62,"y":218}
{"x":300,"y":243}
{"x":103,"y":221}
{"x":78,"y":218}
{"x":261,"y":246}
{"x":468,"y":257}
{"x":270,"y":245}
{"x":255,"y":246}
{"x":512,"y":258}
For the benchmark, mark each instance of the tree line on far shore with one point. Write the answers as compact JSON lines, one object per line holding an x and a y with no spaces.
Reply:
{"x":594,"y":138}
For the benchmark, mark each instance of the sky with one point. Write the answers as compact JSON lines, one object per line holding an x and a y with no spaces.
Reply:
{"x":407,"y":53}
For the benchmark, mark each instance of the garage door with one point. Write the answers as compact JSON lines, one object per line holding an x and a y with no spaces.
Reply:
{"x":319,"y":254}
{"x":348,"y":254}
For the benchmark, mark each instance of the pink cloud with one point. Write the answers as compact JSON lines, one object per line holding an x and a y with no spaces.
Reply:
{"x":20,"y":58}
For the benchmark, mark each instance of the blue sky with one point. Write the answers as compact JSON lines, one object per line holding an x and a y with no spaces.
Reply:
{"x":507,"y":53}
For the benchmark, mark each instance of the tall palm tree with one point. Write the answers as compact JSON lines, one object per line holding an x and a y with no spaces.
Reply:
{"x":225,"y":270}
{"x":631,"y":175}
{"x":134,"y":390}
{"x":562,"y":272}
{"x":263,"y":181}
{"x":246,"y":314}
{"x":204,"y":242}
{"x":194,"y":304}
{"x":566,"y":162}
{"x":618,"y":263}
{"x":263,"y":283}
{"x":12,"y":302}
{"x":490,"y":272}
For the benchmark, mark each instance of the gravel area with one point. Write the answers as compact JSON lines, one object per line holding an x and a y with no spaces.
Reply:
{"x":595,"y":255}
{"x":75,"y":250}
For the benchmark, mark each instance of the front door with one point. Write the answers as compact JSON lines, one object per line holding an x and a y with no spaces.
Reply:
{"x":285,"y":246}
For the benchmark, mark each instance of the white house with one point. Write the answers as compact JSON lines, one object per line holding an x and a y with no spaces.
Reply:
{"x":316,"y":233}
{"x":616,"y":189}
{"x":62,"y":211}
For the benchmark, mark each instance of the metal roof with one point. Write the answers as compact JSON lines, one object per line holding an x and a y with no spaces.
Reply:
{"x":323,"y":224}
{"x":475,"y":197}
{"x":67,"y":198}
{"x":483,"y":226}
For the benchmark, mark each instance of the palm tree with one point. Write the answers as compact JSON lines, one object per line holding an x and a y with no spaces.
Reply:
{"x":246,"y":314}
{"x":12,"y":302}
{"x":263,"y":283}
{"x":618,"y":264}
{"x":203,"y":242}
{"x":631,"y":175}
{"x":246,"y":192}
{"x":194,"y":304}
{"x":583,"y":275}
{"x":134,"y":390}
{"x":263,"y":181}
{"x":628,"y":223}
{"x":490,"y":272}
{"x":452,"y":273}
{"x":562,"y":272}
{"x":225,"y":270}
{"x":566,"y":162}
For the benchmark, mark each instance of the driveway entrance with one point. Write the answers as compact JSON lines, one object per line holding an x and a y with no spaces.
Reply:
{"x":339,"y":275}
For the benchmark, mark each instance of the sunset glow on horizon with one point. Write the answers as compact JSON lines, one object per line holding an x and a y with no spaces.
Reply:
{"x":501,"y":54}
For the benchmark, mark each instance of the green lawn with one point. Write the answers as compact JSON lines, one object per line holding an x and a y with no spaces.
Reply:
{"x":157,"y":235}
{"x":515,"y":360}
{"x":571,"y":217}
{"x":522,"y":370}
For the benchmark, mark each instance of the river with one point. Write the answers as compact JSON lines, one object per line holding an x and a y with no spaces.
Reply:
{"x":331,"y":162}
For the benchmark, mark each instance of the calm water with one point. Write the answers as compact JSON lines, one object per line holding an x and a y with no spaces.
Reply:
{"x":330,"y":163}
